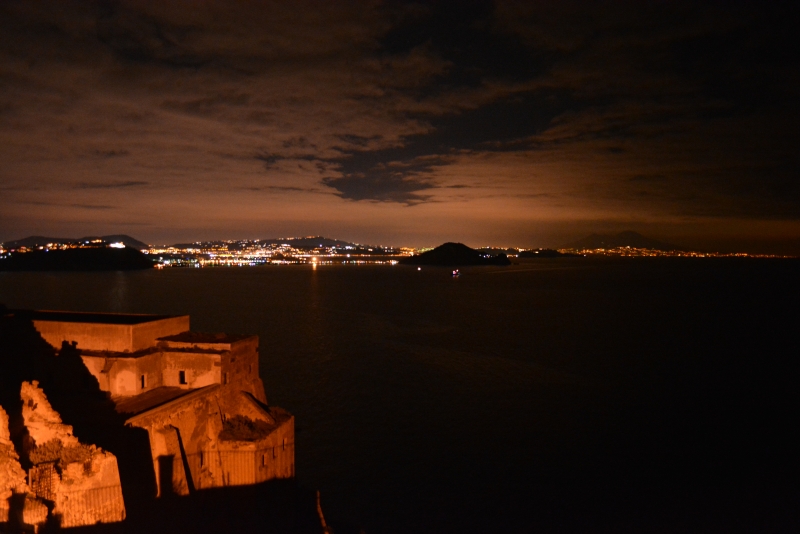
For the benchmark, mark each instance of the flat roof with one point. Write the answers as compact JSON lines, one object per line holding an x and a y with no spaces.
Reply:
{"x":162,"y":401}
{"x":205,"y":337}
{"x":149,"y":399}
{"x":90,"y":317}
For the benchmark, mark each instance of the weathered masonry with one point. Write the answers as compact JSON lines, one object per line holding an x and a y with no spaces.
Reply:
{"x":198,"y":395}
{"x":73,"y":483}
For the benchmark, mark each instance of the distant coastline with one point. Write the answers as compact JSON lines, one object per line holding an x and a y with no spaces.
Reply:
{"x":320,"y":250}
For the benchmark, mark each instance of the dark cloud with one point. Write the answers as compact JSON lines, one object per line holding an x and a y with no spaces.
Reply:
{"x":384,"y":184}
{"x":110,"y":185}
{"x":134,"y":36}
{"x":648,"y":178}
{"x":92,"y":207}
{"x":111,"y":153}
{"x":68,"y":205}
{"x":280,"y":188}
{"x":272,"y":160}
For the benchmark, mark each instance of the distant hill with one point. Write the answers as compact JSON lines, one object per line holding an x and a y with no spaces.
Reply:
{"x":300,"y":243}
{"x":308,"y":242}
{"x":622,"y":239}
{"x":126,"y":240}
{"x":295,"y":242}
{"x":455,"y":254}
{"x":77,"y":259}
{"x":38,"y":240}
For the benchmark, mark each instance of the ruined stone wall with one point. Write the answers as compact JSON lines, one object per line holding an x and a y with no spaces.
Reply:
{"x":90,"y":492}
{"x":12,"y":477}
{"x":81,"y":481}
{"x":42,"y":422}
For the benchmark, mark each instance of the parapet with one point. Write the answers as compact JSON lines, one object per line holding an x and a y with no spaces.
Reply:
{"x":112,"y":332}
{"x":203,"y":341}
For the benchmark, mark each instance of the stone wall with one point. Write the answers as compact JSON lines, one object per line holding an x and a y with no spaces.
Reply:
{"x":177,"y":430}
{"x":110,"y":336}
{"x":240,"y":367}
{"x":12,"y":477}
{"x":188,"y":453}
{"x":251,"y":462}
{"x":199,"y":369}
{"x":81,"y":481}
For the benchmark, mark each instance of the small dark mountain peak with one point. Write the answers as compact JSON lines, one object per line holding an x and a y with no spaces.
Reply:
{"x":455,"y":254}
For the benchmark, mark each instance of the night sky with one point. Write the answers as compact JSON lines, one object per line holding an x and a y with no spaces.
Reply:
{"x":405,"y":124}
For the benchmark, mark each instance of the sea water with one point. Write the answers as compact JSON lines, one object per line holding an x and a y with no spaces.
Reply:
{"x":567,"y":393}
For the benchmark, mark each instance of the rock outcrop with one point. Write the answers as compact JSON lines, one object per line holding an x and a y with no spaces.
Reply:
{"x":82,"y":481}
{"x":41,"y":420}
{"x":12,"y":477}
{"x":29,"y":510}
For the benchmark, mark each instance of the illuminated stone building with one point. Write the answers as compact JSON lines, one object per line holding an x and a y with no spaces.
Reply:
{"x":199,"y":396}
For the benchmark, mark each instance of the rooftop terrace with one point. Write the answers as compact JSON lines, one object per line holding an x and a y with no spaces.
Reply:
{"x":91,"y":317}
{"x":113,"y":332}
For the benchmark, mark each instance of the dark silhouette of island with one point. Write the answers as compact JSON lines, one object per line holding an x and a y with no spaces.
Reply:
{"x":40,"y":241}
{"x":622,"y":239}
{"x":77,"y":259}
{"x":544,"y":253}
{"x":455,"y":254}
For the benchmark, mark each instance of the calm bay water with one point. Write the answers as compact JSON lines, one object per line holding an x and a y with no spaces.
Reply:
{"x":570,"y":394}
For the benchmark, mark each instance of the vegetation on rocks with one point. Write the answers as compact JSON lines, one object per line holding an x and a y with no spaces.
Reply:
{"x":242,"y":428}
{"x":54,"y":451}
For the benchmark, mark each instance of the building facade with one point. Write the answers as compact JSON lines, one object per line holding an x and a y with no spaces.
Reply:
{"x":199,"y":396}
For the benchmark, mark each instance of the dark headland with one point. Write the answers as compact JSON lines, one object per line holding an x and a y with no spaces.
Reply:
{"x":455,"y":254}
{"x":35,"y":241}
{"x":78,"y":259}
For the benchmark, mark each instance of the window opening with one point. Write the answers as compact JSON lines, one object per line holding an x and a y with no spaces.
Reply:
{"x":143,"y":381}
{"x":181,"y":377}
